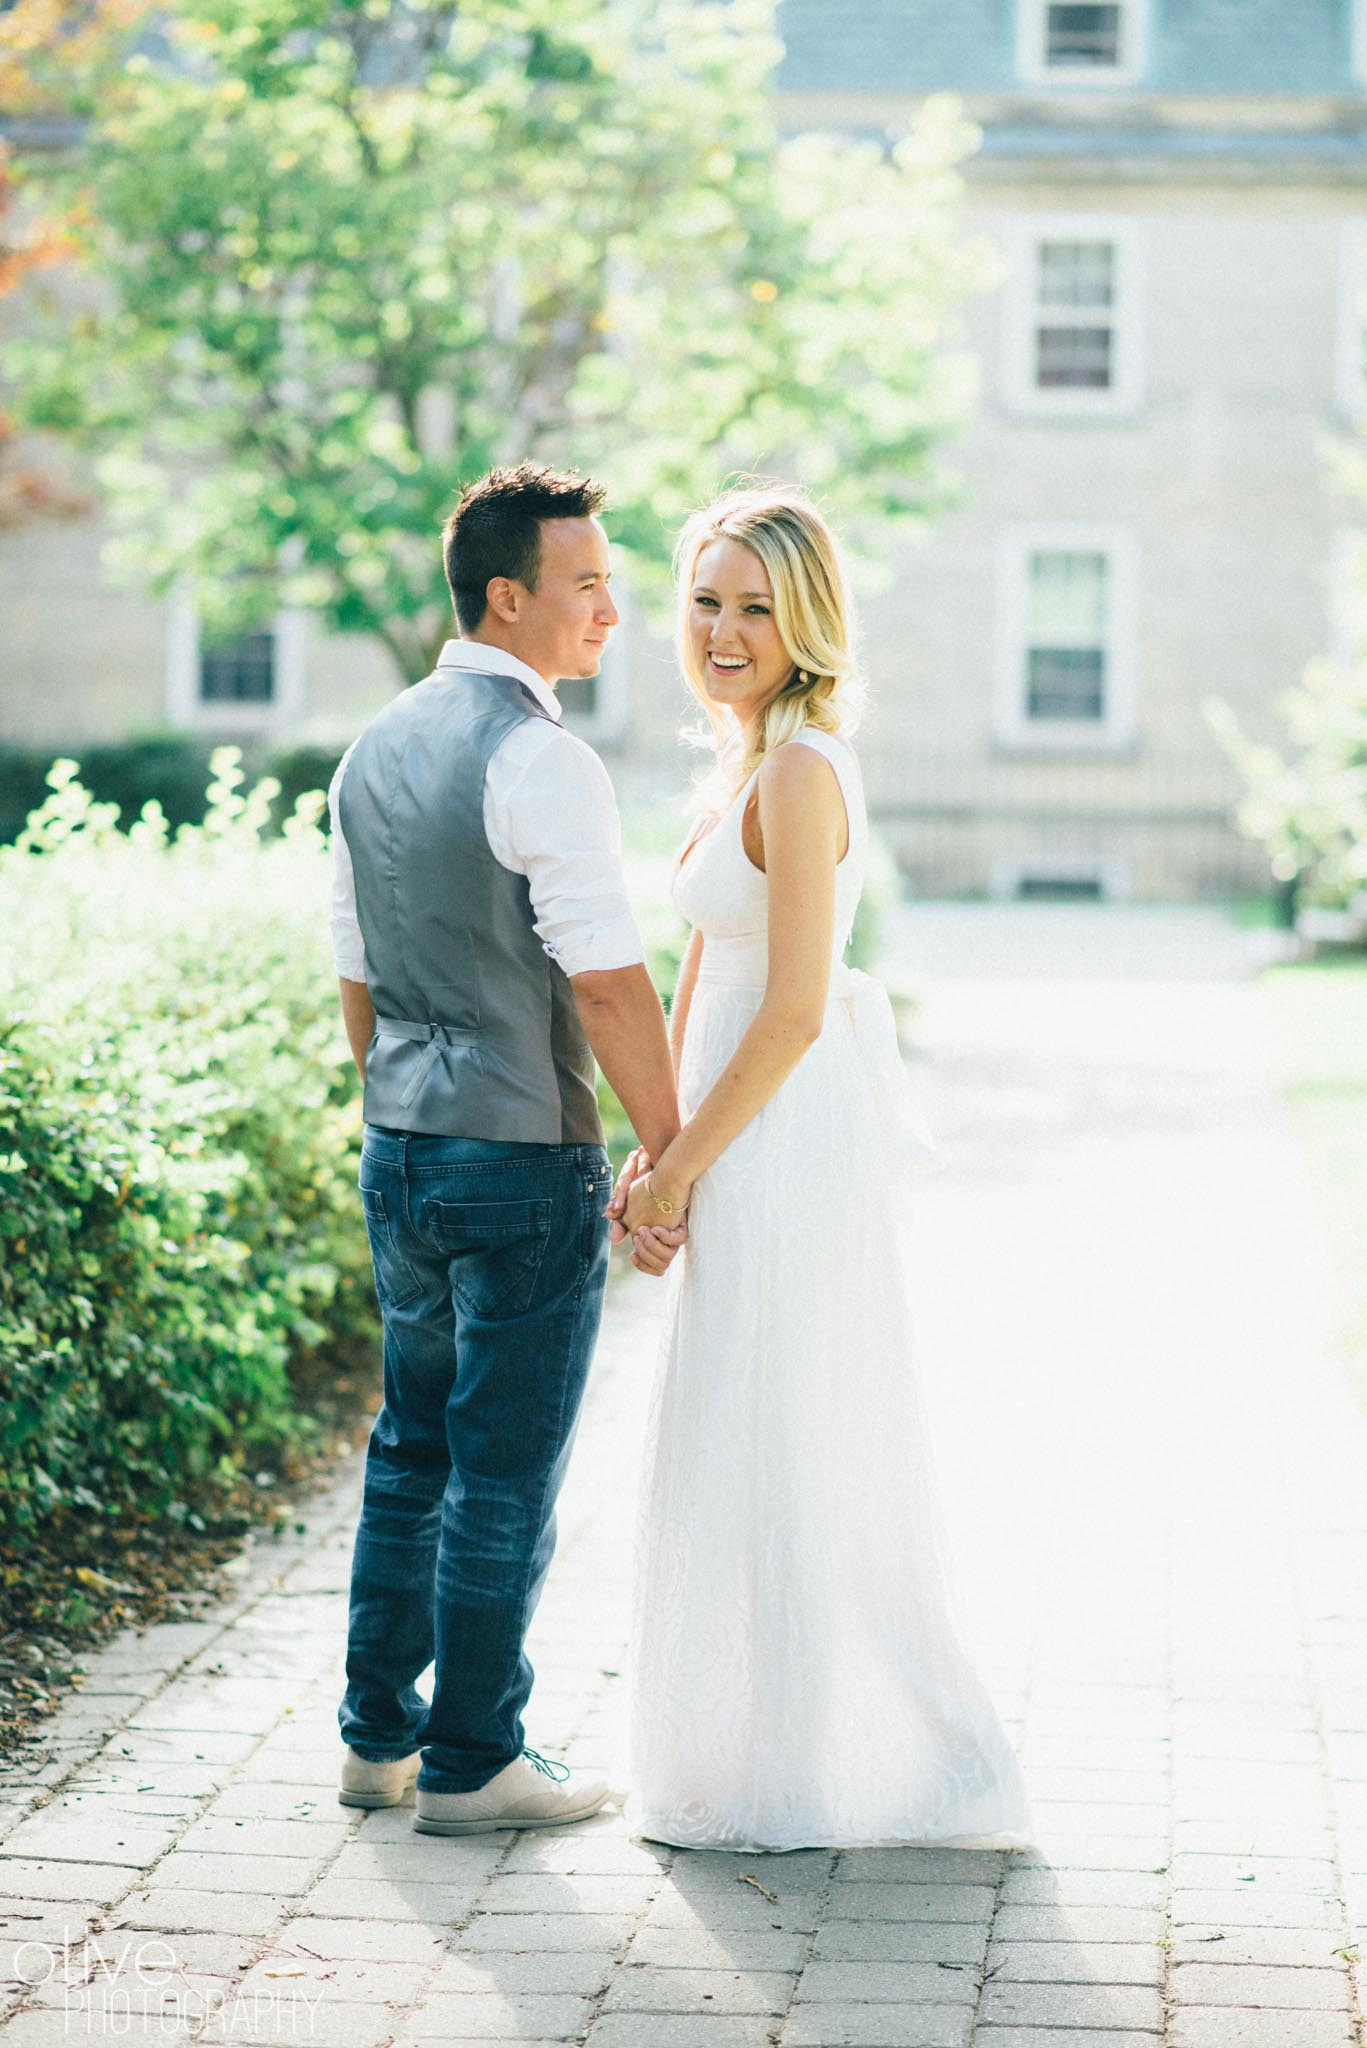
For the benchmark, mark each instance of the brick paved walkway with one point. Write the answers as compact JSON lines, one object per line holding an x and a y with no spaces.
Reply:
{"x":1159,"y":1495}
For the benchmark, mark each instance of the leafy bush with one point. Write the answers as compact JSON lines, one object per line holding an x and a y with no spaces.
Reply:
{"x":180,"y":1240}
{"x":171,"y":769}
{"x":1310,"y":811}
{"x":178,"y":1144}
{"x":299,"y":769}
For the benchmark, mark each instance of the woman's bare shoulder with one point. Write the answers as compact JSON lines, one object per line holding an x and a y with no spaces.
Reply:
{"x":798,"y":774}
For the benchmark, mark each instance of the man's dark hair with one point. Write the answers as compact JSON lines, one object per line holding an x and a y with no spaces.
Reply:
{"x":495,"y":529}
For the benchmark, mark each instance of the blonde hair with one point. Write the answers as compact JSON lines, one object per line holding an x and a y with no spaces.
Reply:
{"x":811,"y":612}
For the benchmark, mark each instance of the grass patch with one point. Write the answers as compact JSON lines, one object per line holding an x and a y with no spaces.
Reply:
{"x":1319,"y":1018}
{"x":1264,"y":912}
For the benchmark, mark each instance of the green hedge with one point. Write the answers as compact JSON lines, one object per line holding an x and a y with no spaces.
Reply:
{"x":179,"y":1133}
{"x":180,"y":1126}
{"x":171,"y":769}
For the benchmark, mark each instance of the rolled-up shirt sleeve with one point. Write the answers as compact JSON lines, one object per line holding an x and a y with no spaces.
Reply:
{"x":348,"y":947}
{"x":552,"y":817}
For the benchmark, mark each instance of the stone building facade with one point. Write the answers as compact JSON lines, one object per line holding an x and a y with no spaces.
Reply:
{"x":1178,"y":191}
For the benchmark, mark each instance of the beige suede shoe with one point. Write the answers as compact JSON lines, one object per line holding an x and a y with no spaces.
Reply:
{"x":367,"y":1784}
{"x":527,"y":1793}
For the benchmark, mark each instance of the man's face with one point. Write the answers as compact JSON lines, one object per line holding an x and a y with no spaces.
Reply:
{"x":570,"y":614}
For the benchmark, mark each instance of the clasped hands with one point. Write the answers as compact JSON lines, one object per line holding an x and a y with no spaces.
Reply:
{"x":656,"y":1238}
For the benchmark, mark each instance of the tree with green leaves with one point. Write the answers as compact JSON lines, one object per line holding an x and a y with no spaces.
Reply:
{"x":350,"y":253}
{"x":1307,"y":802}
{"x":50,"y":51}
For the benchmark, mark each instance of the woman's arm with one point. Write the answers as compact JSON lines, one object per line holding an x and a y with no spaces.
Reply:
{"x":802,"y":822}
{"x":683,"y":996}
{"x":638,"y":1160}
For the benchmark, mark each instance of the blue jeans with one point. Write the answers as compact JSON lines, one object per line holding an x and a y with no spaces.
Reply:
{"x":490,"y":1264}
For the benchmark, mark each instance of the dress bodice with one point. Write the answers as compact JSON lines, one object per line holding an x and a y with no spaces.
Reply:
{"x":719,"y":890}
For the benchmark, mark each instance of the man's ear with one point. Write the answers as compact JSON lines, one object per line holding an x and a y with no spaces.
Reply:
{"x":503,"y":598}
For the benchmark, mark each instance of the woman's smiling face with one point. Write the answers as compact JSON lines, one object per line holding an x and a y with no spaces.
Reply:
{"x":736,"y":646}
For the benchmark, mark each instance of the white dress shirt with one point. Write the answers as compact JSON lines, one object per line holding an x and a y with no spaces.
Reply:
{"x":549,"y":814}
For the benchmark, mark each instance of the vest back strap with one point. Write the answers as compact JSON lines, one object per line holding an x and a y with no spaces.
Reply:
{"x":437,"y":1035}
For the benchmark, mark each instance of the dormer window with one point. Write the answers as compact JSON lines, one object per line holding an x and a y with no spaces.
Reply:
{"x":1083,"y":35}
{"x":1066,"y":42}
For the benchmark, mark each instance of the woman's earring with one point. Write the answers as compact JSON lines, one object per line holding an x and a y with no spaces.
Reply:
{"x":803,"y":677}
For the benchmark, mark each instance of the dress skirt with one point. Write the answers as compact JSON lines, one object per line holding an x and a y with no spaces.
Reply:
{"x":799,"y":1677}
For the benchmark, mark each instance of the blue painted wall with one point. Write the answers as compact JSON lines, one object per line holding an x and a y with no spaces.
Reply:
{"x":1208,"y":46}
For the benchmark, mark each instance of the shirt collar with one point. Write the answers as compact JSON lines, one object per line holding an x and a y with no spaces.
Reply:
{"x":478,"y":654}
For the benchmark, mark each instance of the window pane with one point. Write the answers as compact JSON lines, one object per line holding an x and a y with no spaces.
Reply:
{"x":1073,"y":357}
{"x":1083,"y":35}
{"x":1076,"y":273}
{"x":1065,"y":682}
{"x":239,"y":671}
{"x":1066,"y":605}
{"x":1060,"y":888}
{"x":1065,"y":675}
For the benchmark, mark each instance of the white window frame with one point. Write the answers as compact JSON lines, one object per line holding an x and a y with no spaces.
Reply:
{"x":1031,"y":24}
{"x":1020,"y":306}
{"x":1012,"y":726}
{"x":1351,"y":369}
{"x":187,"y":709}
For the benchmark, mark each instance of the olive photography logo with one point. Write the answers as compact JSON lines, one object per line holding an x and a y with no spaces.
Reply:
{"x":115,"y":1986}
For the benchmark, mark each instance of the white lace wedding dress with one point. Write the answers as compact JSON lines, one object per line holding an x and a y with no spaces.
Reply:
{"x":799,"y":1678}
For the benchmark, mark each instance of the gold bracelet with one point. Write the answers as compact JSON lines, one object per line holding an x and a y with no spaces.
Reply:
{"x":665,"y":1208}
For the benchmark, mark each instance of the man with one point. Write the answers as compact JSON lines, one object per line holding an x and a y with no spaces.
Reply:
{"x":486,"y":951}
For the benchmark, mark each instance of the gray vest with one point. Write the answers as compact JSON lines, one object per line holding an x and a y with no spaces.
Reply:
{"x":476,"y":1031}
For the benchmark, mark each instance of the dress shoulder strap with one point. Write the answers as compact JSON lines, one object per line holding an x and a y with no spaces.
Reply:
{"x":845,"y":762}
{"x":838,"y":752}
{"x":828,"y":743}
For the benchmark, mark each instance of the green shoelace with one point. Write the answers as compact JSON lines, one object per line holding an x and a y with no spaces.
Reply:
{"x":557,"y":1772}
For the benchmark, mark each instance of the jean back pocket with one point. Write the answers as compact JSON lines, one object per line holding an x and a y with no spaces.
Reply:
{"x":495,"y":1248}
{"x":395,"y":1281}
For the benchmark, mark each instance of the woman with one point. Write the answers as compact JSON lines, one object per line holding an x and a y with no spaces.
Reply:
{"x":799,"y":1678}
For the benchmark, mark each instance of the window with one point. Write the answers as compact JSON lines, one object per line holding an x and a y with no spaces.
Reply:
{"x":1352,"y":334}
{"x":1083,"y":35}
{"x":238,"y":671}
{"x":1074,"y":316}
{"x":1059,"y":878}
{"x":254,"y":683}
{"x":1063,"y":42}
{"x":1072,"y":332}
{"x":1065,"y":634}
{"x":1066,"y":626}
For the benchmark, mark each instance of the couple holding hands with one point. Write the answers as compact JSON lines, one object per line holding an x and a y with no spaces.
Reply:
{"x":798,"y":1677}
